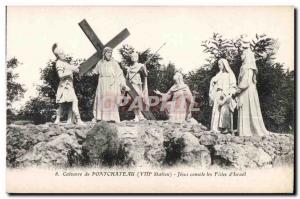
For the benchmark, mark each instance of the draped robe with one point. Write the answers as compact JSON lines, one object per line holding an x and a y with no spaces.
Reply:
{"x":222,"y":86}
{"x":108,"y":94}
{"x":179,"y":108}
{"x":250,"y":121}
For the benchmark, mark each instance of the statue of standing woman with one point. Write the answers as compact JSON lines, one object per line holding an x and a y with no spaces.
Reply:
{"x":222,"y":87}
{"x":250,"y":120}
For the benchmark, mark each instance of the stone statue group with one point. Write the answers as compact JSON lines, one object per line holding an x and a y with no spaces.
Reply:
{"x":225,"y":94}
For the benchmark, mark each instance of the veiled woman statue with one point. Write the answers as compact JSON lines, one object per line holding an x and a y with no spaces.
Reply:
{"x":250,"y":121}
{"x":180,"y":106}
{"x":222,"y":86}
{"x":110,"y":83}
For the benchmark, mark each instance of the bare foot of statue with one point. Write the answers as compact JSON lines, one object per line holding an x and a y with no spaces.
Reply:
{"x":141,"y":118}
{"x":225,"y":131}
{"x":69,"y":122}
{"x":81,"y":123}
{"x":57,"y":121}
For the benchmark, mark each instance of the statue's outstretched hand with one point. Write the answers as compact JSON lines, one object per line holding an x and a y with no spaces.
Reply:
{"x":237,"y":92}
{"x":124,"y":66}
{"x":228,"y":98}
{"x":76,"y":69}
{"x":157,"y":92}
{"x":125,"y":88}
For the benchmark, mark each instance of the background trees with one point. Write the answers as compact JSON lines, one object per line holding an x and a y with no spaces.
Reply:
{"x":275,"y":85}
{"x":14,"y":90}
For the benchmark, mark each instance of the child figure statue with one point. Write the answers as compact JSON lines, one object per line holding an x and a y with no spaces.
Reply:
{"x":65,"y":91}
{"x":137,"y":76}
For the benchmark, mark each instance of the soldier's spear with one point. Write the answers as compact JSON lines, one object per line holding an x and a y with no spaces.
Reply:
{"x":148,"y":60}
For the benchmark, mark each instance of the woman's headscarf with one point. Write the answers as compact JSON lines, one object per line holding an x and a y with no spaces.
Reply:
{"x":232,"y":78}
{"x":179,"y":77}
{"x":249,"y":60}
{"x":180,"y":85}
{"x":249,"y":63}
{"x":228,"y":69}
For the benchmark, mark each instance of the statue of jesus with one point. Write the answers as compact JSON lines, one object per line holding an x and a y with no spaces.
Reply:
{"x":110,"y":84}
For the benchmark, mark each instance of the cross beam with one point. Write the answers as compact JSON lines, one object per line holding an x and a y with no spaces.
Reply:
{"x":97,"y":56}
{"x":93,"y":60}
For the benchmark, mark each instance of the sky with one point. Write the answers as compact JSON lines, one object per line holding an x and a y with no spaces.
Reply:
{"x":31,"y":31}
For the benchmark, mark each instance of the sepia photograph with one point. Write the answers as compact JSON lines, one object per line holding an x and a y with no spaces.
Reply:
{"x":150,"y":99}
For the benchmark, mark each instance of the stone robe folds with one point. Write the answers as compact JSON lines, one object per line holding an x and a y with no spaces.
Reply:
{"x":65,"y":91}
{"x":222,"y":86}
{"x":108,"y":93}
{"x":179,"y":108}
{"x":250,"y":120}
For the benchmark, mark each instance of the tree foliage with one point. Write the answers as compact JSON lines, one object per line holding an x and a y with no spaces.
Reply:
{"x":15,"y":90}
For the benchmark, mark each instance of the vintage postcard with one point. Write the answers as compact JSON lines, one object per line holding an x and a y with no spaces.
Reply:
{"x":150,"y":99}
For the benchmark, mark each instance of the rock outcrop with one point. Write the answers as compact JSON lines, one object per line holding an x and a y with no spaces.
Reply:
{"x":151,"y":143}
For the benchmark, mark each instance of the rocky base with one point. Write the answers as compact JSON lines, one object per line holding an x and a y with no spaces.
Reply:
{"x":151,"y":143}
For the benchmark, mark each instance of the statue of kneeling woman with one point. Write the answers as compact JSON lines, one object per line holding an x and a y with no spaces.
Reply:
{"x":178,"y":101}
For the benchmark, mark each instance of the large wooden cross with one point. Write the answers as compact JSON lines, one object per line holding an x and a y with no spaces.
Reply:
{"x":97,"y":56}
